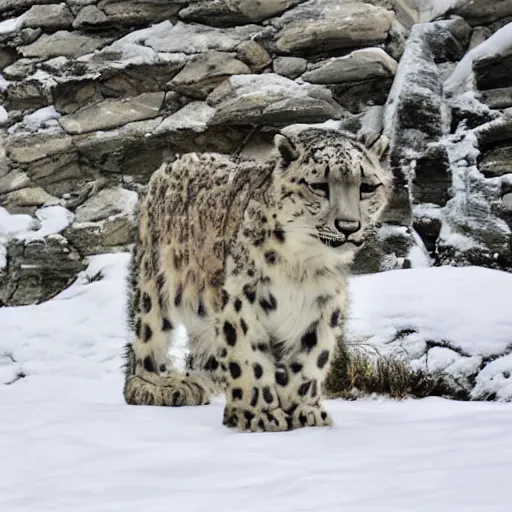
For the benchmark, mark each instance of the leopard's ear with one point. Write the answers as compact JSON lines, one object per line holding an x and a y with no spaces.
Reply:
{"x":286,"y":149}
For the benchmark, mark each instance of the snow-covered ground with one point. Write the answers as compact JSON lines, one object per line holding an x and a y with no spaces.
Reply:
{"x":448,"y":319}
{"x":68,"y":442}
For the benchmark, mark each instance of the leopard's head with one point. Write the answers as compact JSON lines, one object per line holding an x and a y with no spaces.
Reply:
{"x":331,"y":188}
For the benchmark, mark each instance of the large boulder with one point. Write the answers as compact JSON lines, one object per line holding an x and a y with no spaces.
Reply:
{"x":478,"y":12}
{"x":105,"y":222}
{"x":114,"y":113}
{"x":271,"y":99}
{"x":234,"y":12}
{"x":36,"y":262}
{"x":205,"y":72}
{"x":317,"y":26}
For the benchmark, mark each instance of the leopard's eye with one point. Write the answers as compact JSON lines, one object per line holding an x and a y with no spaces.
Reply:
{"x":320,"y":189}
{"x":367,"y":189}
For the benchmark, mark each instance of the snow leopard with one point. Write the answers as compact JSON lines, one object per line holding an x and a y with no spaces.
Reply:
{"x":253,"y":259}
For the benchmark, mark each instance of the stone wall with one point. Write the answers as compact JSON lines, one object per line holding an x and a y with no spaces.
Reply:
{"x":97,"y":93}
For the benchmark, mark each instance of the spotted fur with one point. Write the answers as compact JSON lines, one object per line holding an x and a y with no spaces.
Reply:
{"x":253,"y":260}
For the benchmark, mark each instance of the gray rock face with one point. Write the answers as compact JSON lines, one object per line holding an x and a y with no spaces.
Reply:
{"x":497,"y":162}
{"x":13,"y":7}
{"x":27,"y":199}
{"x":135,"y":12}
{"x":62,"y":44}
{"x":271,"y":99}
{"x":111,"y":235}
{"x":104,"y":223}
{"x":290,"y":67}
{"x":38,"y":271}
{"x":53,"y":17}
{"x":432,"y":178}
{"x":113,"y":113}
{"x":493,"y":72}
{"x":234,"y":12}
{"x":202,"y":74}
{"x":357,"y":80}
{"x":327,"y":25}
{"x":89,"y":17}
{"x":188,"y":39}
{"x":109,"y":202}
{"x":500,"y":98}
{"x":482,"y":13}
{"x":28,"y":149}
{"x":507,"y":203}
{"x":254,"y":55}
{"x":495,"y":132}
{"x":357,"y":66}
{"x":415,"y":115}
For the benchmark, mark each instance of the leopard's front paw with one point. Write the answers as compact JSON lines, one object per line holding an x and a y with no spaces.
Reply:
{"x":173,"y":390}
{"x":309,"y":416}
{"x":250,"y":420}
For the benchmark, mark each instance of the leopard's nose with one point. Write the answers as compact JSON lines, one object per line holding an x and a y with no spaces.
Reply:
{"x":347,"y":227}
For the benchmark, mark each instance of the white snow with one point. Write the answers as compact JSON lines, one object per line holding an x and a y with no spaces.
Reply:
{"x":468,"y":307}
{"x":418,"y":254}
{"x":4,"y":116}
{"x":48,"y":220}
{"x":184,"y":38}
{"x":3,"y":83}
{"x":53,"y":219}
{"x":499,"y":42}
{"x":450,"y":238}
{"x":431,"y":9}
{"x":11,"y":25}
{"x":42,"y":118}
{"x":269,"y":84}
{"x":294,"y":129}
{"x":10,"y":226}
{"x":69,"y":442}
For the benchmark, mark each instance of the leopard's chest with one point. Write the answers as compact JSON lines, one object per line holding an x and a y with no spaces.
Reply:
{"x":289,"y":308}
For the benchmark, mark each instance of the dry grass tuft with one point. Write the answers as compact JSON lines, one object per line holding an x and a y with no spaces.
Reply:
{"x":356,"y":373}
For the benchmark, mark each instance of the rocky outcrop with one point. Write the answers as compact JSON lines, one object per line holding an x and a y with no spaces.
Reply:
{"x":96,"y":94}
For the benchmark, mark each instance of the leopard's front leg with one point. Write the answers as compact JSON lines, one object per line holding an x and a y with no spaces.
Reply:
{"x":252,"y":401}
{"x":300,"y":376}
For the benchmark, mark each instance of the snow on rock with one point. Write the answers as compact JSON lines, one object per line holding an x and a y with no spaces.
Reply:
{"x":469,"y":218}
{"x":108,"y":203}
{"x":184,"y":38}
{"x":498,"y":43}
{"x":494,"y":381}
{"x":49,"y":220}
{"x":3,"y":84}
{"x":39,"y":261}
{"x":11,"y":25}
{"x":271,"y":98}
{"x":463,"y":311}
{"x":43,"y":118}
{"x":4,"y":116}
{"x":430,"y":9}
{"x":10,"y":226}
{"x":53,"y":219}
